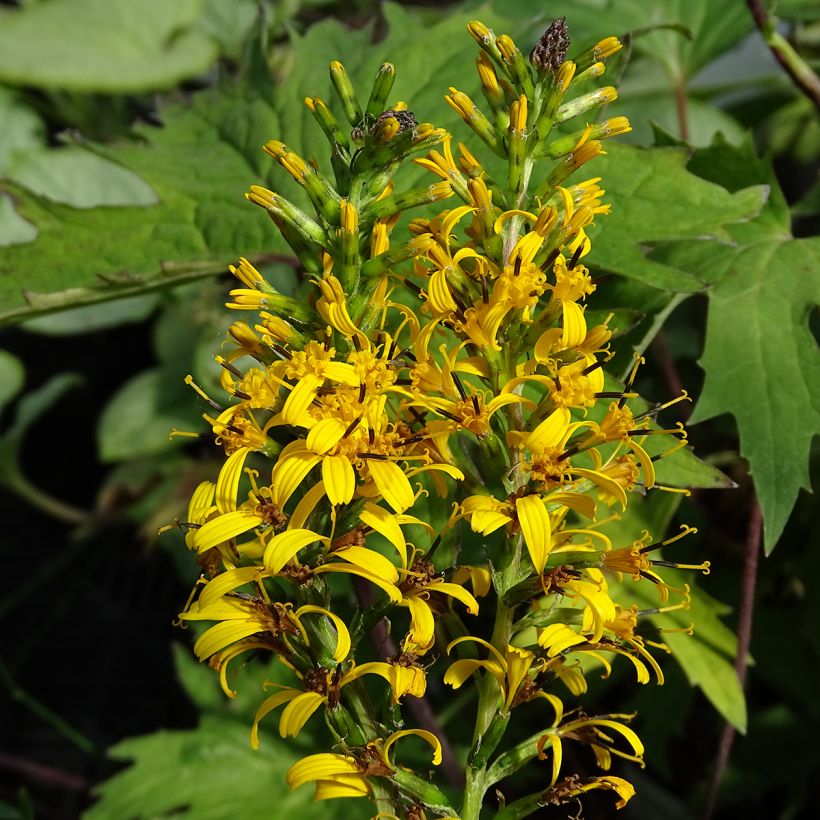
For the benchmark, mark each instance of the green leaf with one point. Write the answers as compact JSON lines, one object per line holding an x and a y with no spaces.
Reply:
{"x":72,"y":175}
{"x":140,"y":416}
{"x":91,"y":318}
{"x":103,"y":45}
{"x":656,"y":200}
{"x":12,"y":376}
{"x":713,"y":673}
{"x":210,"y":773}
{"x":77,"y":177}
{"x":684,"y":469}
{"x":14,"y":230}
{"x":760,"y":357}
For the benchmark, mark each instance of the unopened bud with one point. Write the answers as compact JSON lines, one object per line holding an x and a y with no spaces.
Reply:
{"x":551,"y":50}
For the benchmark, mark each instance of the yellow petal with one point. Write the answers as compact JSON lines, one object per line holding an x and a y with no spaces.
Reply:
{"x":307,"y":505}
{"x":536,"y":529}
{"x":607,"y":484}
{"x":519,"y":662}
{"x":342,"y":635}
{"x":385,"y":524}
{"x":391,"y":589}
{"x":227,"y":485}
{"x":550,"y":432}
{"x":339,"y":479}
{"x":268,"y":705}
{"x":224,"y":528}
{"x":556,"y":638}
{"x":221,"y":635}
{"x":324,"y":435}
{"x":300,"y":398}
{"x":455,"y":591}
{"x":575,"y":326}
{"x":201,"y":502}
{"x":342,"y":786}
{"x":451,"y":471}
{"x":320,"y":767}
{"x":297,"y":713}
{"x":422,"y":733}
{"x":580,"y":503}
{"x":557,"y":756}
{"x":460,"y":671}
{"x":289,"y":472}
{"x":392,"y":484}
{"x":227,"y":582}
{"x":284,"y":546}
{"x":422,"y":623}
{"x":369,"y":560}
{"x":647,"y":464}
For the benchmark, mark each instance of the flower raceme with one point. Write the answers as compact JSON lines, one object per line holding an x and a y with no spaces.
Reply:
{"x":428,"y":428}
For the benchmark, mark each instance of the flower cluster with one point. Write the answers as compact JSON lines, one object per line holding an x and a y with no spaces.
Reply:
{"x":431,"y":424}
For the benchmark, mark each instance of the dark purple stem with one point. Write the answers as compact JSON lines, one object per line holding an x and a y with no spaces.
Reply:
{"x":744,"y":639}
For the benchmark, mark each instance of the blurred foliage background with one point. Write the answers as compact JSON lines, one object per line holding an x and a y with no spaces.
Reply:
{"x":130,"y":132}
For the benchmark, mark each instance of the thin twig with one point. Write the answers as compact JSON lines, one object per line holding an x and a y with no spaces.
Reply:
{"x":793,"y":64}
{"x":663,"y":356}
{"x":48,"y":775}
{"x":419,"y":708}
{"x":744,"y":638}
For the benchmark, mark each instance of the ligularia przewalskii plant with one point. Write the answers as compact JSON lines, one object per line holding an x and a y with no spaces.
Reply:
{"x":427,"y":435}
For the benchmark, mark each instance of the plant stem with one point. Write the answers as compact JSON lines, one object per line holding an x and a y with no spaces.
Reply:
{"x":46,"y":503}
{"x":357,"y":701}
{"x":794,"y":65}
{"x":744,"y":638}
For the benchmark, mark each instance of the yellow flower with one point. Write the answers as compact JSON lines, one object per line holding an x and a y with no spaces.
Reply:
{"x":510,"y":670}
{"x":320,"y":686}
{"x":595,"y":732}
{"x":334,"y":775}
{"x":419,"y":583}
{"x":527,"y":513}
{"x":337,"y":775}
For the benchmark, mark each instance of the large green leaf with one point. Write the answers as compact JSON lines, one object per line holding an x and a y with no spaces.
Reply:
{"x":760,"y":357}
{"x":210,"y":773}
{"x":69,"y":174}
{"x":657,"y":200}
{"x":103,"y":45}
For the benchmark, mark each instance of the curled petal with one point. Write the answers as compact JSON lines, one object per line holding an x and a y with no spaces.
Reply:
{"x":422,"y":733}
{"x":297,"y":713}
{"x":342,"y":635}
{"x":267,"y":706}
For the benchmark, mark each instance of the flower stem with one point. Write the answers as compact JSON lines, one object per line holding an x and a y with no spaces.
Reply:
{"x":46,"y":503}
{"x":794,"y":65}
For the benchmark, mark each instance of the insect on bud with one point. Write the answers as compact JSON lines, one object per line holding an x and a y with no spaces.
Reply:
{"x":551,"y":50}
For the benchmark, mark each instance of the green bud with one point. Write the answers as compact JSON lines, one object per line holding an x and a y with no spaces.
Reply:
{"x":382,"y":86}
{"x":345,"y":93}
{"x":580,"y":105}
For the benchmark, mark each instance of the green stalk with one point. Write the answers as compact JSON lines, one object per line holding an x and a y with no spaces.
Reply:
{"x":383,"y":797}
